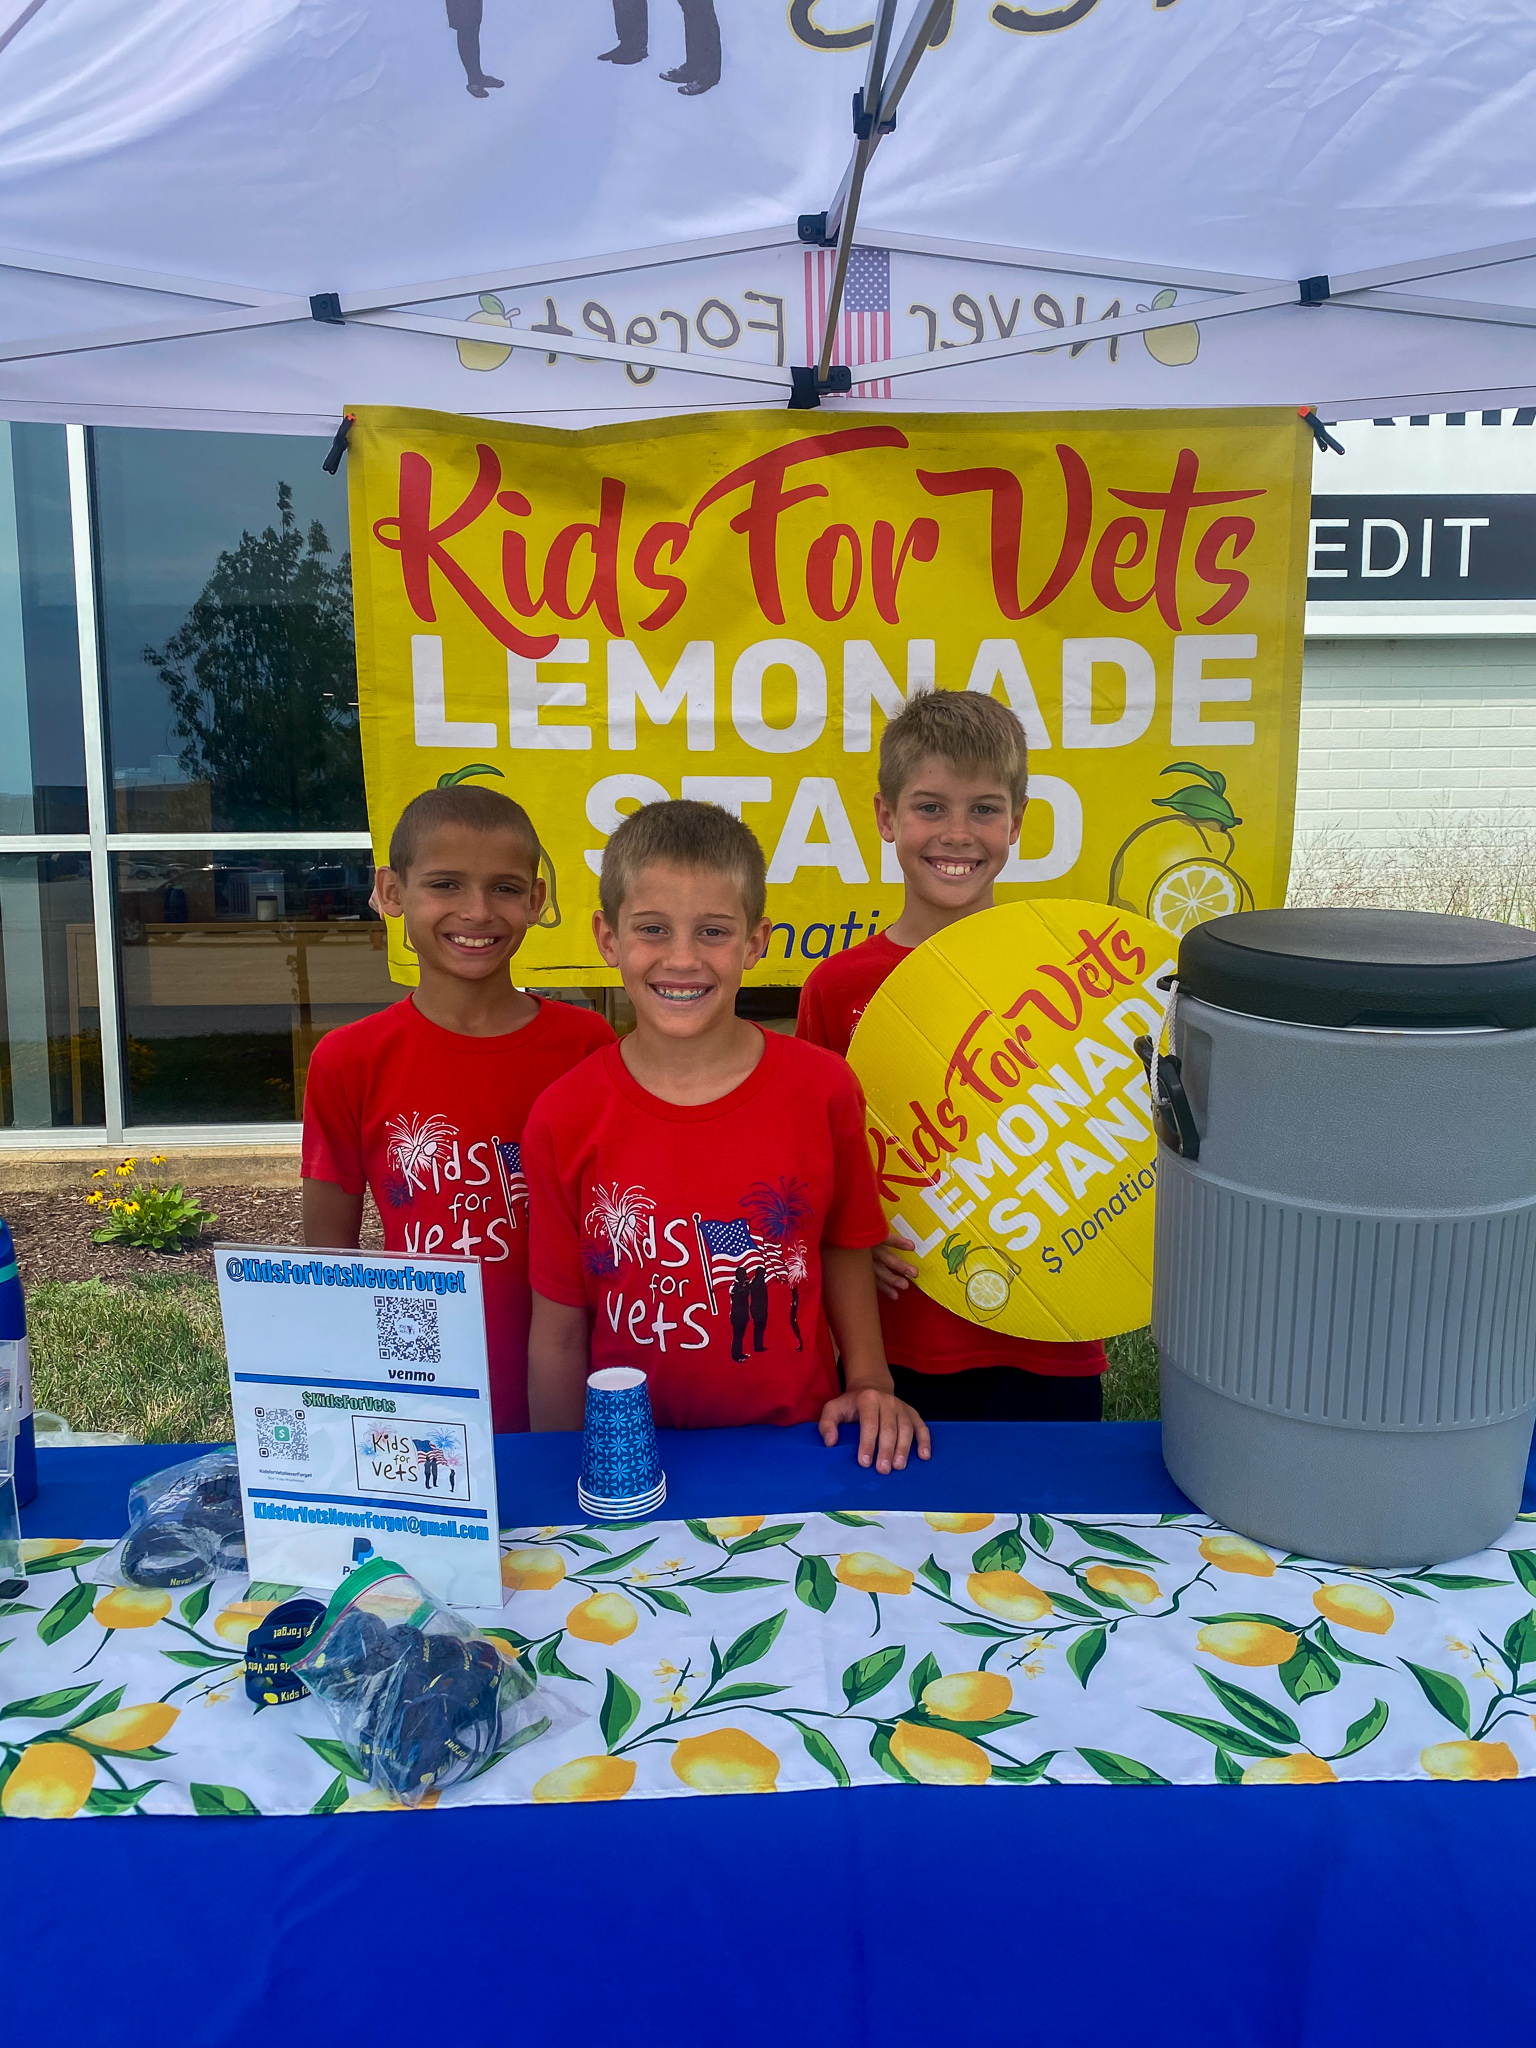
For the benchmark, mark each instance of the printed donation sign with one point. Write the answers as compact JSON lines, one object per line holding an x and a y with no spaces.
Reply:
{"x":731,"y":607}
{"x":362,"y":1416}
{"x":1010,"y":1118}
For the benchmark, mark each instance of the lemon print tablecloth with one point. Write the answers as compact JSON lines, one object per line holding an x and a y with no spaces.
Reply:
{"x":756,"y":1653}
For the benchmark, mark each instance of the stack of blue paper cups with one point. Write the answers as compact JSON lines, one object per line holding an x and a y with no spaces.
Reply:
{"x":621,"y":1476}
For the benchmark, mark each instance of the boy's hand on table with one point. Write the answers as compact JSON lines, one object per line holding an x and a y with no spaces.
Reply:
{"x":894,"y":1270}
{"x":888,"y":1428}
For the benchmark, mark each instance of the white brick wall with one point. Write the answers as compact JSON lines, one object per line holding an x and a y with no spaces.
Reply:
{"x":1397,"y":735}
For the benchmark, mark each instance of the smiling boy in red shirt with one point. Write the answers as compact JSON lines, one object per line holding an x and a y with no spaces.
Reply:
{"x":424,"y":1103}
{"x":954,"y":769}
{"x":702,"y":1191}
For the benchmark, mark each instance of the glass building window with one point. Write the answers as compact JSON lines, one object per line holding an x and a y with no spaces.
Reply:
{"x":42,"y":747}
{"x":232,"y":966}
{"x":50,"y":1020}
{"x":226,"y":606}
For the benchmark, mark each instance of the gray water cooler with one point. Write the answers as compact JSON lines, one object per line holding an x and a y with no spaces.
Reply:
{"x":1344,"y":1291}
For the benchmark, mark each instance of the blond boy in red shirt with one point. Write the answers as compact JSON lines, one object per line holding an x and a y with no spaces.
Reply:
{"x":424,"y":1103}
{"x":702,"y":1191}
{"x":954,"y":771}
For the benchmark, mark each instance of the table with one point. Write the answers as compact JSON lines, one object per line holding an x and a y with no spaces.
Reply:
{"x":1200,"y":1917}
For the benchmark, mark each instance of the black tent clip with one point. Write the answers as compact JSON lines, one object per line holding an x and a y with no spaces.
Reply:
{"x":1320,"y":433}
{"x":808,"y":387}
{"x":338,"y":448}
{"x":1171,"y":1114}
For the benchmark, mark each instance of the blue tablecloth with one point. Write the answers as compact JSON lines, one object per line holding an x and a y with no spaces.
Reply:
{"x":1209,"y":1917}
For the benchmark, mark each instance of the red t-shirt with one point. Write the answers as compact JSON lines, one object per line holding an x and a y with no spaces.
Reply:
{"x":919,"y":1334}
{"x":693,"y":1231}
{"x":432,"y":1122}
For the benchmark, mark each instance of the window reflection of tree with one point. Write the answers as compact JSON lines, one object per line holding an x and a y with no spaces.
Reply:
{"x":262,"y":681}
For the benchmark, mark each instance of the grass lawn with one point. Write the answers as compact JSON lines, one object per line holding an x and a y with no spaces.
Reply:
{"x":143,"y":1357}
{"x":146,"y":1358}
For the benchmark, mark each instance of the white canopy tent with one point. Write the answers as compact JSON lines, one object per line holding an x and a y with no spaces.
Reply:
{"x":252,"y":215}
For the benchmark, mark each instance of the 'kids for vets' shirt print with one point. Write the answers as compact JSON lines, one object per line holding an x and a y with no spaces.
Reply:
{"x":693,"y":1231}
{"x":432,"y":1122}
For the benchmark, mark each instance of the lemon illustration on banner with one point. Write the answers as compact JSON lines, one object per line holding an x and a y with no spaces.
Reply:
{"x":1010,"y":1119}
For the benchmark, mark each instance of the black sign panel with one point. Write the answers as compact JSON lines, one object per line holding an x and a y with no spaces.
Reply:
{"x":1404,"y":549}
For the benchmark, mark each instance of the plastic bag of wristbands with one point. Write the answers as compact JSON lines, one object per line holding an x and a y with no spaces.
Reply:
{"x":421,"y":1698}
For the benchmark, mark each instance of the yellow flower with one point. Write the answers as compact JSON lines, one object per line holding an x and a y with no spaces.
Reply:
{"x":1301,"y":1769}
{"x":672,"y":1564}
{"x":726,"y":1760}
{"x":1237,"y":1554}
{"x":52,"y":1781}
{"x":1480,"y":1760}
{"x":969,"y":1696}
{"x":237,"y":1620}
{"x":1008,"y":1596}
{"x":100,"y":1173}
{"x":34,"y":1547}
{"x":123,"y":1172}
{"x":1247,"y":1642}
{"x":604,"y":1618}
{"x":641,"y":1578}
{"x":129,"y":1165}
{"x":128,"y":1728}
{"x":1124,"y":1584}
{"x":1357,"y":1607}
{"x":665,"y":1669}
{"x":676,"y":1700}
{"x":729,"y":1527}
{"x":92,"y":1200}
{"x":868,"y":1572}
{"x":958,"y":1525}
{"x":157,"y":1159}
{"x":532,"y":1571}
{"x":1032,"y":1670}
{"x":128,"y":1607}
{"x":937,"y":1756}
{"x":132,"y":1208}
{"x":586,"y":1777}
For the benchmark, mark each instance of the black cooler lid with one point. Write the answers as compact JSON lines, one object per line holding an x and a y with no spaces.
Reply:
{"x":1391,"y":968}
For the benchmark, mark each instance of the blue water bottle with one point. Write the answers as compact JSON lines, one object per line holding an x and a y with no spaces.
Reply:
{"x":13,"y":1331}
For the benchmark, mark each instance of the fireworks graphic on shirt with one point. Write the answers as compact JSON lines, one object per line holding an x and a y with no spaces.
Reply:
{"x":418,"y":1145}
{"x":509,"y":1157}
{"x":621,"y":1215}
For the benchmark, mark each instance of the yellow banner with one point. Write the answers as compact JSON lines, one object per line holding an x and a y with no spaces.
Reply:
{"x":731,"y":606}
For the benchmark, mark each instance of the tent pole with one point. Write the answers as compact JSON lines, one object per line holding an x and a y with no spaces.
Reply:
{"x":866,"y":122}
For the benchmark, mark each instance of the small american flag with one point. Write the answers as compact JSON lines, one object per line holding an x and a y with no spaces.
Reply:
{"x":730,"y":1244}
{"x":509,"y":1157}
{"x":865,"y":334}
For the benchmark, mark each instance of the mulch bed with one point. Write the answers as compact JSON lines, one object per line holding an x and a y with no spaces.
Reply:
{"x":53,"y":1234}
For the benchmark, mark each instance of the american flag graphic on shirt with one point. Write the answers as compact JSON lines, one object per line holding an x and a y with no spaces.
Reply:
{"x":509,"y":1157}
{"x":732,"y":1244}
{"x":864,"y":335}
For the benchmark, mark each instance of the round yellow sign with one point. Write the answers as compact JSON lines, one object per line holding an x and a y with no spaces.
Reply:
{"x":1009,"y":1116}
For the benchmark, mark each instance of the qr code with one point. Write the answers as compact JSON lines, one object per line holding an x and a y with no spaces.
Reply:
{"x":282,"y":1433}
{"x":407,"y":1330}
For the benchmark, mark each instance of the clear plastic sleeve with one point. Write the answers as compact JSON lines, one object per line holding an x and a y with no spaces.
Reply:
{"x":420,"y":1697}
{"x":184,"y":1524}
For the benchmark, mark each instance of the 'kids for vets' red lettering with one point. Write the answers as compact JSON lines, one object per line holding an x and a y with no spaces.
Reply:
{"x":420,"y":546}
{"x":759,"y":521}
